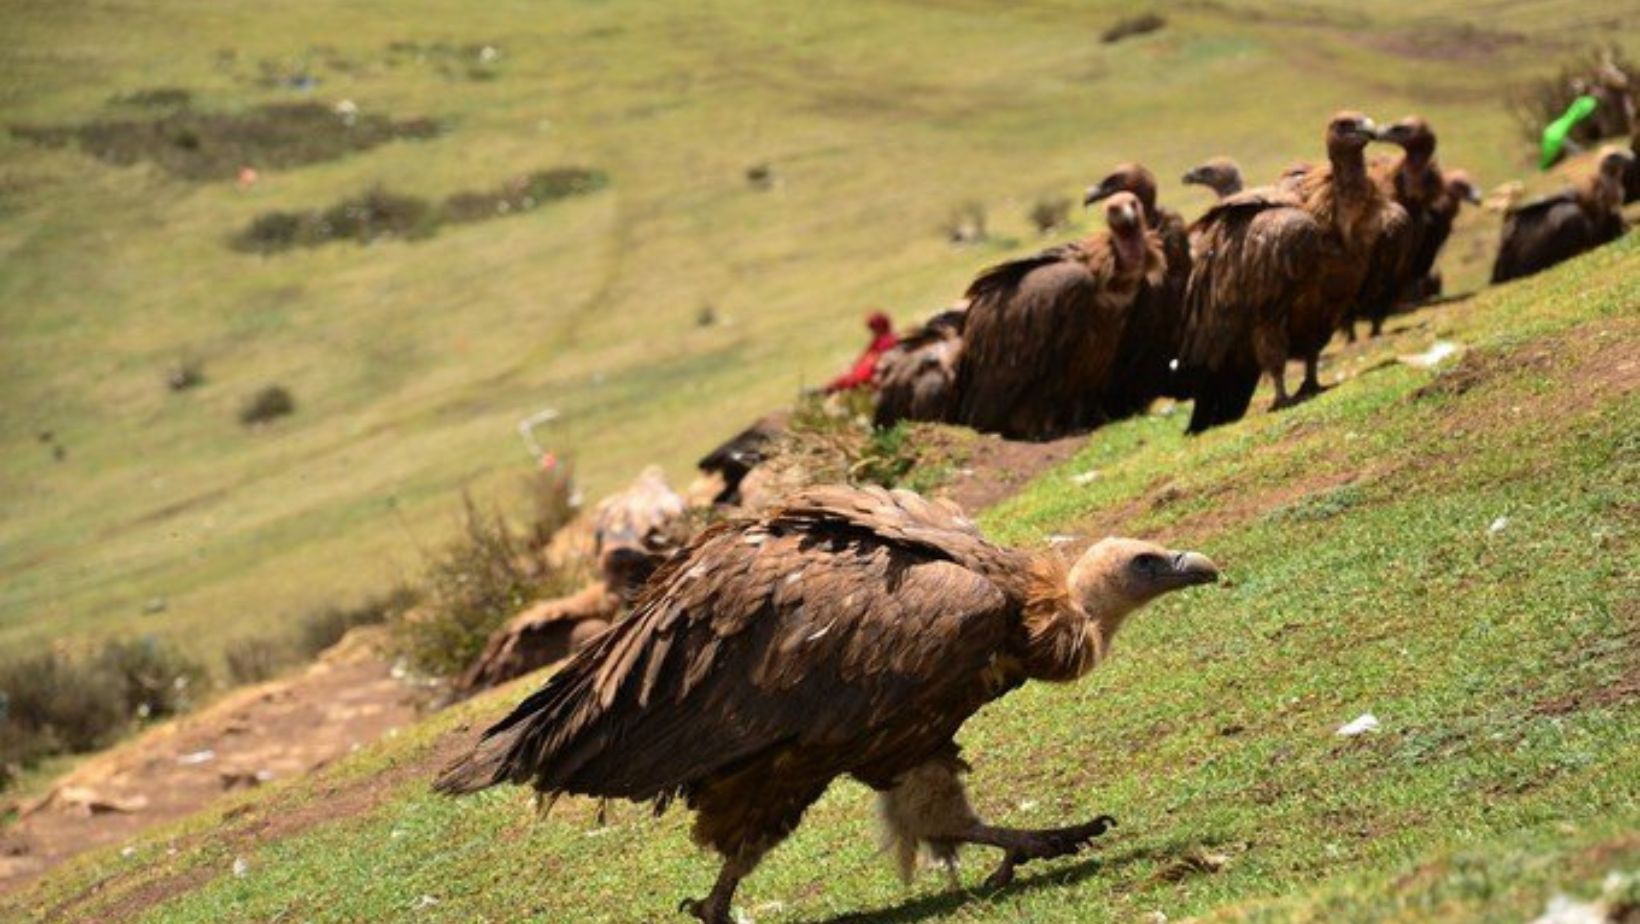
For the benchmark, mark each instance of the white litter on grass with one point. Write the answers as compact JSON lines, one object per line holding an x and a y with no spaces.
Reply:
{"x":128,"y":852}
{"x":426,"y":901}
{"x":1431,"y":357}
{"x":1085,"y":479}
{"x":1366,"y":722}
{"x":1155,"y":917}
{"x":1060,"y":539}
{"x":197,"y":757}
{"x":241,"y":866}
{"x":1563,"y":909}
{"x":1498,"y":526}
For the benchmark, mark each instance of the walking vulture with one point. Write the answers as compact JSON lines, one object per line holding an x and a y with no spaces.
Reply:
{"x":847,"y":632}
{"x":1041,"y":332}
{"x":1555,"y":228}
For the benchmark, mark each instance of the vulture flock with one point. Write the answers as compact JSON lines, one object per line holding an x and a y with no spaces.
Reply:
{"x":1095,"y":330}
{"x":852,"y":631}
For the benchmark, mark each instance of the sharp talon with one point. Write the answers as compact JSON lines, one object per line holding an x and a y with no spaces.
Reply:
{"x":1004,"y":874}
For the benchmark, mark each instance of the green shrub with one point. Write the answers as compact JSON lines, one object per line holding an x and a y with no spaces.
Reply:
{"x":473,"y":585}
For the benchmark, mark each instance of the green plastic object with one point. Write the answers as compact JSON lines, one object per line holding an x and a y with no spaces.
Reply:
{"x":1554,"y":134}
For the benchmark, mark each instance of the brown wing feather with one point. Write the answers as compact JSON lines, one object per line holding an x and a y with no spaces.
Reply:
{"x":814,"y":626}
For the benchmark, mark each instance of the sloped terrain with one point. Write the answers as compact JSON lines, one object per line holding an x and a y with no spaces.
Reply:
{"x":1449,"y":550}
{"x":126,"y":507}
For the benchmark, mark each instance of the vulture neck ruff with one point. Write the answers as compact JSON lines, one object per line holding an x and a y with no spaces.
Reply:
{"x":1064,"y":638}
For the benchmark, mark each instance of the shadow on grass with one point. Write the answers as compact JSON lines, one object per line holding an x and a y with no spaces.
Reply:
{"x":944,"y":903}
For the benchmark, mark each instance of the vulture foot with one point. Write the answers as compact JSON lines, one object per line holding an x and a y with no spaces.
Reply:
{"x":709,"y":910}
{"x":1047,"y":844}
{"x":1309,"y":390}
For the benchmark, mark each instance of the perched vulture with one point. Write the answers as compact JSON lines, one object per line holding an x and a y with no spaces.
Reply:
{"x":1274,"y":271}
{"x":1631,"y":176}
{"x":1041,"y":332}
{"x":847,"y":632}
{"x":1457,"y":188}
{"x":915,"y":380}
{"x":1546,"y":231}
{"x":1221,"y":174}
{"x":1143,"y":369}
{"x":633,"y":532}
{"x":733,"y":459}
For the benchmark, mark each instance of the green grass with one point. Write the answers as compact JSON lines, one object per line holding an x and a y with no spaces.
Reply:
{"x":1364,"y":575}
{"x":411,"y":362}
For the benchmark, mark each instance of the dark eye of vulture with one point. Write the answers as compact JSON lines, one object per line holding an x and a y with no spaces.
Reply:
{"x":847,"y":632}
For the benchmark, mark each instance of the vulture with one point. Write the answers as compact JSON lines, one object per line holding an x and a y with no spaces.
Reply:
{"x":1041,"y":332}
{"x":732,"y":460}
{"x":1631,"y":176}
{"x":1404,"y":261}
{"x":915,"y":379}
{"x":1143,"y":369}
{"x":1457,"y":188}
{"x":633,"y":532}
{"x":1555,"y":228}
{"x":849,"y":631}
{"x":1274,"y":271}
{"x":1221,"y":174}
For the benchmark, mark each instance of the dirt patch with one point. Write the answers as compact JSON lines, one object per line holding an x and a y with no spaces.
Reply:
{"x":1625,"y":689}
{"x":272,"y":731}
{"x":204,"y":146}
{"x":381,"y":214}
{"x":995,"y":468}
{"x":1460,"y":42}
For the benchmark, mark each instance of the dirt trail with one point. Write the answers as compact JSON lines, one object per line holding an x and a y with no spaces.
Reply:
{"x":284,"y":728}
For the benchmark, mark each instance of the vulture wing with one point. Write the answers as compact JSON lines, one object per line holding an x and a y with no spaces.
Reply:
{"x":1026,"y":323}
{"x":822,"y":625}
{"x":1540,"y":234}
{"x":1251,"y":252}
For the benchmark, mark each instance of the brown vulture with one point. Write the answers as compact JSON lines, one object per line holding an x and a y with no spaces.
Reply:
{"x":633,"y":532}
{"x":1631,"y":176}
{"x":916,"y":378}
{"x":1546,"y":231}
{"x":1457,"y":188}
{"x":1274,"y":271}
{"x":1221,"y":174}
{"x":1041,"y":332}
{"x":1143,"y":369}
{"x":848,"y":632}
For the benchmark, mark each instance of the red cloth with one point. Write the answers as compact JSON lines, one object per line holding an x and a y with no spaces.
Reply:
{"x":859,"y":375}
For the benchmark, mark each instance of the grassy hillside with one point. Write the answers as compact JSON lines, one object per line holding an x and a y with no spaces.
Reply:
{"x":1451,"y":551}
{"x":412,"y":361}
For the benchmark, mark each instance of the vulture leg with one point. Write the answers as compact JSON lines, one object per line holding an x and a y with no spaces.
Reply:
{"x":929,"y":806}
{"x":1270,"y":346}
{"x":714,"y":908}
{"x":1312,"y":380}
{"x":1024,"y":845}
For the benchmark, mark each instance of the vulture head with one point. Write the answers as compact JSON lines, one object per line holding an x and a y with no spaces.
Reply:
{"x":1349,"y":132}
{"x":1412,"y":135}
{"x":1221,"y":174}
{"x":1461,"y":186}
{"x":1128,"y":235}
{"x":1129,"y":178}
{"x":1117,"y":576}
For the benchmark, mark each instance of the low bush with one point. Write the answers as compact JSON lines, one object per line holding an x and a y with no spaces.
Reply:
{"x":1131,"y":26}
{"x":267,"y":405}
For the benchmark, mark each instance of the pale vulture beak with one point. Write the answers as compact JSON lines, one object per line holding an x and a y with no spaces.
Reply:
{"x":1190,"y":568}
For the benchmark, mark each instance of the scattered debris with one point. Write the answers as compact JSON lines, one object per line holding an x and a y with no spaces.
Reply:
{"x":1430,"y":358}
{"x":185,"y":374}
{"x":1085,"y":478}
{"x":1497,"y":526}
{"x":1619,"y":903}
{"x":966,"y":224}
{"x":1050,"y":213}
{"x":86,"y":801}
{"x":196,"y":757}
{"x":1362,"y":724}
{"x":241,"y":866}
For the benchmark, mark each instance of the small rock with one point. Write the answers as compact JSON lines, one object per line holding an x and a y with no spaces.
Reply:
{"x":426,"y":901}
{"x":1498,"y":526}
{"x":241,"y":866}
{"x":197,"y":757}
{"x":1085,"y":479}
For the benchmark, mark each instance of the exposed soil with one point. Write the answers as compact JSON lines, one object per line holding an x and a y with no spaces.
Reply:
{"x":216,"y":146}
{"x":995,"y":468}
{"x":271,"y":731}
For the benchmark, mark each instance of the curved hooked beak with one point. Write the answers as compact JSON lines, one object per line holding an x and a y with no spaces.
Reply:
{"x":1368,"y":130}
{"x":1472,"y":195}
{"x":1193,"y":175}
{"x":1098,"y":193}
{"x":1190,"y":568}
